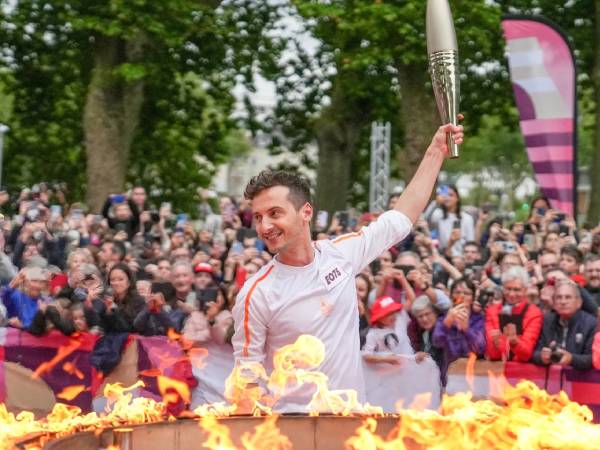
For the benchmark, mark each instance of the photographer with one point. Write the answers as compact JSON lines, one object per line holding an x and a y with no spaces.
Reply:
{"x":454,"y":227}
{"x":461,"y":330}
{"x":122,"y":215}
{"x":568,"y":332}
{"x":160,"y":313}
{"x":23,"y":296}
{"x":211,"y":321}
{"x":513,"y":326}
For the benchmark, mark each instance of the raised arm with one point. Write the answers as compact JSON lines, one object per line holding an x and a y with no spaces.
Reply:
{"x":416,"y":196}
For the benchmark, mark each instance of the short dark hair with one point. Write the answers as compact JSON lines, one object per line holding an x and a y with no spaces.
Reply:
{"x":573,"y":252}
{"x":298,"y":186}
{"x":472,"y":244}
{"x":166,"y":289}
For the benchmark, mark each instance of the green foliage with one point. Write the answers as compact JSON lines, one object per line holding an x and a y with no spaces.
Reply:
{"x":364,"y":46}
{"x":47,"y":49}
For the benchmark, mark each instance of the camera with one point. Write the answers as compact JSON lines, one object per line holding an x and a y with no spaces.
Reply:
{"x":154,"y":217}
{"x":555,"y":356}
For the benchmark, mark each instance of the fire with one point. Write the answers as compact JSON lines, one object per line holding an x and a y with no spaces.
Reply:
{"x":122,"y":409}
{"x":530,"y":419}
{"x":266,"y":435}
{"x":523,"y":417}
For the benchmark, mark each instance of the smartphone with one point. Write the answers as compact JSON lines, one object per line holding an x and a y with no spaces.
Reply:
{"x":55,"y":210}
{"x":442,"y":190}
{"x":343,"y":219}
{"x":559,"y":218}
{"x":322,"y":220}
{"x":456,"y":225}
{"x":508,"y":247}
{"x":77,"y":214}
{"x":182,"y":218}
{"x":486,"y":208}
{"x":404,"y":268}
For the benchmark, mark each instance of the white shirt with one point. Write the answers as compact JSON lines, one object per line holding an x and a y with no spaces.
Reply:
{"x":389,"y":339}
{"x":280,"y":303}
{"x":445,"y":227}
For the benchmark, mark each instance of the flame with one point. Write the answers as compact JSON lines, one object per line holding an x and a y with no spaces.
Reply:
{"x":122,"y":409}
{"x":198,"y":357}
{"x":524,"y":417}
{"x":266,"y":435}
{"x":531,"y":419}
{"x":470,"y":371}
{"x":70,"y":392}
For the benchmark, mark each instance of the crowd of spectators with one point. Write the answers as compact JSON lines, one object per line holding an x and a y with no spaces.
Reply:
{"x":465,"y":281}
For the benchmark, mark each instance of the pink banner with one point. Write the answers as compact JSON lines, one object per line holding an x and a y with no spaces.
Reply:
{"x":543,"y":76}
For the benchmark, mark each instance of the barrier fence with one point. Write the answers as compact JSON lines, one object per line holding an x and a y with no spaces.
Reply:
{"x":36,"y":372}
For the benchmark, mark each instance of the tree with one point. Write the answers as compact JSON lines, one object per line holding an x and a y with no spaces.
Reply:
{"x":371,"y":64}
{"x":117,"y":79}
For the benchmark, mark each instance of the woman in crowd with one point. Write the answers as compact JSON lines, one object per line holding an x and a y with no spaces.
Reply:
{"x":210,"y":321}
{"x":454,"y":227}
{"x":462,"y":329}
{"x":420,"y":332}
{"x":125,"y":304}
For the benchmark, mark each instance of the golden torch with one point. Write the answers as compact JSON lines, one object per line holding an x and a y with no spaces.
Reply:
{"x":443,"y":64}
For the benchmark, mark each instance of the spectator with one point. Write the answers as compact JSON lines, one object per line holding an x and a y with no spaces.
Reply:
{"x":125,"y":304}
{"x":23,"y":296}
{"x":210,"y":322}
{"x":570,"y":261}
{"x":420,"y":332}
{"x":383,"y":343}
{"x":164,"y":269}
{"x":183,"y":280}
{"x":592,"y":277}
{"x":122,"y":215}
{"x":461,"y":330}
{"x":568,"y":332}
{"x":161,"y":312}
{"x":454,"y":227}
{"x":203,"y":276}
{"x":472,"y":253}
{"x":513,"y":326}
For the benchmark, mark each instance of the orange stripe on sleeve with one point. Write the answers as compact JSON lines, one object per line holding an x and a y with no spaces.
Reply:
{"x":347,"y":236}
{"x":247,"y":310}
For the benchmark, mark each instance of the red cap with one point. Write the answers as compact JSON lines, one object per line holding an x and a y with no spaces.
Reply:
{"x":203,"y":267}
{"x":382,"y":307}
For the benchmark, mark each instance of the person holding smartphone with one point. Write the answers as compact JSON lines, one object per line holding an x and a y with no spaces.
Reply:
{"x":454,"y":226}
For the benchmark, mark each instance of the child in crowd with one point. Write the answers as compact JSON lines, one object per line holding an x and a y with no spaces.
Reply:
{"x":385,"y":339}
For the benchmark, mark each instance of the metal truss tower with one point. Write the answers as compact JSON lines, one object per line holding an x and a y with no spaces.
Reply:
{"x":380,"y":166}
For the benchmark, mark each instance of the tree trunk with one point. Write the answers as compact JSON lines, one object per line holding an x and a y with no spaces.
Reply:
{"x":593,"y":215}
{"x":419,"y":116}
{"x":338,"y":133}
{"x":110,"y":118}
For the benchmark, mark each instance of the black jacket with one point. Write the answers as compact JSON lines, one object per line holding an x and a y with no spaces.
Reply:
{"x":580,"y":335}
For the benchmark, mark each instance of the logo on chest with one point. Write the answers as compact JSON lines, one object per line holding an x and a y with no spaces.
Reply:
{"x":333,"y":276}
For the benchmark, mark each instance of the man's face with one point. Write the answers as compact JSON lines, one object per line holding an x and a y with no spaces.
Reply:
{"x":183,"y":278}
{"x":514,"y":291}
{"x":569,"y":264}
{"x":548,"y":262}
{"x":407,"y":260}
{"x":164,"y":270}
{"x":138,"y":195}
{"x":278,"y":223}
{"x":566,"y":301}
{"x":592,"y":273}
{"x":471,"y":254}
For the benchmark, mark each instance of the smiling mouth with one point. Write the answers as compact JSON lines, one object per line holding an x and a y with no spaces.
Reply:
{"x":272,"y":236}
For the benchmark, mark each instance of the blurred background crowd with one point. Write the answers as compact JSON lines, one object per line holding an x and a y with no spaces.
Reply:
{"x":467,"y":280}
